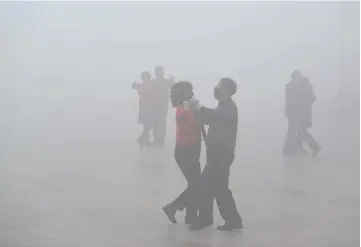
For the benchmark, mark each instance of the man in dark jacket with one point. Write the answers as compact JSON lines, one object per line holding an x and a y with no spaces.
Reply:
{"x":161,"y":89}
{"x":220,"y":144}
{"x":299,"y":100}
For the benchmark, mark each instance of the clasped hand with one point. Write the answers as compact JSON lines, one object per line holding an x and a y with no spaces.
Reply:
{"x":192,"y":104}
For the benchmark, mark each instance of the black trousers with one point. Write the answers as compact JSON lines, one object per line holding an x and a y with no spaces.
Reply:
{"x":144,"y":137}
{"x":187,"y":158}
{"x":159,"y":131}
{"x":214,"y":185}
{"x":297,"y":134}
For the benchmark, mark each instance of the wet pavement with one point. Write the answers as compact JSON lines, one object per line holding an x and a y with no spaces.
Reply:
{"x":84,"y":183}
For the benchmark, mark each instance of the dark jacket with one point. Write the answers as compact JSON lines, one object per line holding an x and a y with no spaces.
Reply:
{"x":223,"y":124}
{"x":161,"y":97}
{"x":299,"y":100}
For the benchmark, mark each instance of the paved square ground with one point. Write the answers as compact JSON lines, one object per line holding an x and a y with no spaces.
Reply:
{"x":83,"y":182}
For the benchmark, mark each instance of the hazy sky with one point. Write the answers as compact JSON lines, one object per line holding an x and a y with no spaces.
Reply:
{"x":91,"y":44}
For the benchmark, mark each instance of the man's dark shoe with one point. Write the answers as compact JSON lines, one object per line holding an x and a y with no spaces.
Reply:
{"x":148,"y":143}
{"x":287,"y":150}
{"x":170,"y":213}
{"x":317,"y":150}
{"x":200,"y":224}
{"x":230,"y":227}
{"x":189,"y":220}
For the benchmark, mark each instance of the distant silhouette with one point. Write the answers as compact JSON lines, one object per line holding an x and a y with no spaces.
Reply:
{"x":299,"y":100}
{"x":186,"y":153}
{"x":220,"y":144}
{"x":161,"y":89}
{"x":146,"y":107}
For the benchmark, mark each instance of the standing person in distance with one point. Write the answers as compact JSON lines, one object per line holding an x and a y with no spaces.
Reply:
{"x":146,"y":107}
{"x":299,"y":101}
{"x":186,"y":153}
{"x":220,"y":145}
{"x":161,"y":87}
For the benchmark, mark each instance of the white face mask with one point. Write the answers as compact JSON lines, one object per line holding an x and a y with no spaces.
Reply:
{"x":218,"y":93}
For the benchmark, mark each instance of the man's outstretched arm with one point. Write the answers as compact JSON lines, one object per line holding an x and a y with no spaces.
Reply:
{"x":135,"y":86}
{"x":206,"y":115}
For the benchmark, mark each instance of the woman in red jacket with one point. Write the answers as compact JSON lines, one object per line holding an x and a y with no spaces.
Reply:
{"x":187,"y":152}
{"x":146,"y":107}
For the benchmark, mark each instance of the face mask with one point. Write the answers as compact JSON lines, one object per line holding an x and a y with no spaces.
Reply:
{"x":217,"y":93}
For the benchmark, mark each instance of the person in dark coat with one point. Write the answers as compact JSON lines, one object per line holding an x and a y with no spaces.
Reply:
{"x":299,"y":100}
{"x":186,"y":153}
{"x":161,"y":86}
{"x":220,"y":145}
{"x":146,"y":107}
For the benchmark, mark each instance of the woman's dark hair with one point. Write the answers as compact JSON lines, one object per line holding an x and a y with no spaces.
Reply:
{"x":180,"y":92}
{"x":146,"y":74}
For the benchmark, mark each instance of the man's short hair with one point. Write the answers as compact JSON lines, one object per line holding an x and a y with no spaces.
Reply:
{"x":296,"y":74}
{"x":229,"y":85}
{"x":159,"y":69}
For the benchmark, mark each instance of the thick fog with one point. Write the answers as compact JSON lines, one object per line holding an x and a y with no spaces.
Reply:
{"x":72,"y":173}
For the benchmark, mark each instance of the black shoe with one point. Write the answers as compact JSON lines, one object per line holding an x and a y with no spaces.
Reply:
{"x":317,"y":151}
{"x":230,"y":227}
{"x":148,"y":143}
{"x":200,"y":224}
{"x":189,"y":220}
{"x":301,"y":151}
{"x":170,"y":213}
{"x":140,"y":142}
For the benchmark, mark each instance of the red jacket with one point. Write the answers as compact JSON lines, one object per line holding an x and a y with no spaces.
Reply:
{"x":188,"y":128}
{"x":145,"y":91}
{"x":146,"y":102}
